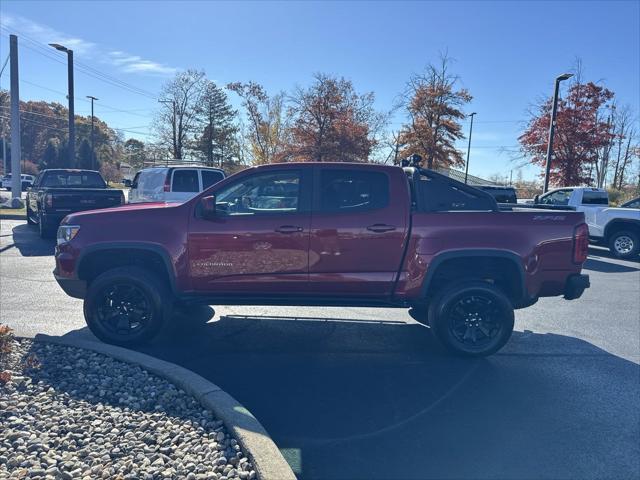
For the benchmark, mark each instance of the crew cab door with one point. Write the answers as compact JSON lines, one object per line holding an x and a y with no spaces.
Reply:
{"x":258,"y":241}
{"x":358,"y":230}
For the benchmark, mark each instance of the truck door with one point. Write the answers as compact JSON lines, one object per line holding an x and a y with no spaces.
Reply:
{"x":258,"y":242}
{"x":358,"y":227}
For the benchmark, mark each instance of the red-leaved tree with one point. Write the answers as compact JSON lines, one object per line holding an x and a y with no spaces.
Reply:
{"x":582,"y":131}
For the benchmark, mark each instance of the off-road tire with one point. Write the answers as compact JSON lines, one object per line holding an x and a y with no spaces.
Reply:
{"x":156,"y":295}
{"x":489,"y":309}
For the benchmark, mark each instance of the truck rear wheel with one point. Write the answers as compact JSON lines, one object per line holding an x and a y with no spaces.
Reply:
{"x":624,"y":244}
{"x":127,"y":306}
{"x":472,"y":318}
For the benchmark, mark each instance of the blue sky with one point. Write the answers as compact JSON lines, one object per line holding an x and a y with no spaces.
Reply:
{"x":507,"y":53}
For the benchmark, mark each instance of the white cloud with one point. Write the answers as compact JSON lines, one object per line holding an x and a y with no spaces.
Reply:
{"x":44,"y":35}
{"x":135,"y":63}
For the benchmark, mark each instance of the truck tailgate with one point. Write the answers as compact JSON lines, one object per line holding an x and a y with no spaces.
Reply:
{"x":74,"y":200}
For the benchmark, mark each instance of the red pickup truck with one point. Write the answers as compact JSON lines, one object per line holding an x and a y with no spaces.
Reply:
{"x":324,"y":234}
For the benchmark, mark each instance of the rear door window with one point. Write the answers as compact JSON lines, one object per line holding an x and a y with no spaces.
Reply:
{"x":185,"y":181}
{"x":210,"y":177}
{"x":590,"y":197}
{"x":343,"y":190}
{"x":73,"y":179}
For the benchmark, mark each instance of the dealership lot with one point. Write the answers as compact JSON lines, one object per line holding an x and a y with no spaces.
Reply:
{"x":365,"y":393}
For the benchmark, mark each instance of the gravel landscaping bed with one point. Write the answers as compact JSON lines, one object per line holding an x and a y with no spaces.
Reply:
{"x":70,"y":413}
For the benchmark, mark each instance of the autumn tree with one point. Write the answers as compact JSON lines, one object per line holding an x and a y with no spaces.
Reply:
{"x":266,"y":130}
{"x":582,"y":131}
{"x":215,"y":116}
{"x":176,"y":121}
{"x":331,"y":122}
{"x":434,"y":107}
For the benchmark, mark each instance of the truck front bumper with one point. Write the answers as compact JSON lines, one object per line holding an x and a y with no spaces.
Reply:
{"x":575,"y":286}
{"x":72,"y":286}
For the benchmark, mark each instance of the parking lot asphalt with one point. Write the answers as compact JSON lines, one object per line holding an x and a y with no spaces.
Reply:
{"x":352,"y":393}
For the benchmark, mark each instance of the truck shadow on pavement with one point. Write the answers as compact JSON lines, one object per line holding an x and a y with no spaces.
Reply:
{"x":27,"y":240}
{"x":370,"y":399}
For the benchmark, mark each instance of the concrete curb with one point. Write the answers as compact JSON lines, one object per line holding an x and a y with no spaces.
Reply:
{"x":10,"y":216}
{"x":254,"y":439}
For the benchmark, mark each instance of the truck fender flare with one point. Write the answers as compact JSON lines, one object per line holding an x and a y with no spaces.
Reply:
{"x":620,"y":223}
{"x":142,"y":246}
{"x":440,"y":258}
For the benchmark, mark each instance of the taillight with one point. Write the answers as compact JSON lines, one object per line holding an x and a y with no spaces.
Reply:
{"x":49,"y":200}
{"x":580,"y":243}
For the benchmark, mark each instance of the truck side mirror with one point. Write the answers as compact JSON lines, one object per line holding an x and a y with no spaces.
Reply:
{"x":536,"y":199}
{"x":208,"y":207}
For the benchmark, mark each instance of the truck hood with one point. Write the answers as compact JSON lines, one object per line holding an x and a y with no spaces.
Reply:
{"x":120,"y":210}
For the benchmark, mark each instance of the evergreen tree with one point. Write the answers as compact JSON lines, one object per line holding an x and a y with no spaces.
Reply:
{"x":85,"y":156}
{"x":216,"y":118}
{"x":51,"y":155}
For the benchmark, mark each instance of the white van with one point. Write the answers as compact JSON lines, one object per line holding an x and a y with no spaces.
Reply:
{"x":172,"y":184}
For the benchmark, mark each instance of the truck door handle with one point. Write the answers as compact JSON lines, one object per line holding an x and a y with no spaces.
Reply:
{"x":380,"y":227}
{"x":288,"y":229}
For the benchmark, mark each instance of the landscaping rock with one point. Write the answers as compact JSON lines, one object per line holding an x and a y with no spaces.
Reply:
{"x":73,"y":413}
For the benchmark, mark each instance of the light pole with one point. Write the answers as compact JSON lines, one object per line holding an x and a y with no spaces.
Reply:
{"x":552,"y":127}
{"x":93,"y":152}
{"x":466,"y":168}
{"x":72,"y":126}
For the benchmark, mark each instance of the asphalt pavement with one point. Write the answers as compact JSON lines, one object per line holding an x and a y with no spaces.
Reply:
{"x":350,"y":393}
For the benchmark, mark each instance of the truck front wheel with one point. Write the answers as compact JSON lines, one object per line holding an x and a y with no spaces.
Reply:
{"x":624,"y":244}
{"x":472,"y":318}
{"x":127,"y":306}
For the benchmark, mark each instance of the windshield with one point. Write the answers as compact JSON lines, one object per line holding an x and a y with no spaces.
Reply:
{"x":71,"y":179}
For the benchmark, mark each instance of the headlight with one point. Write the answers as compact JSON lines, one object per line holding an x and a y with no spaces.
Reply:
{"x":66,"y":233}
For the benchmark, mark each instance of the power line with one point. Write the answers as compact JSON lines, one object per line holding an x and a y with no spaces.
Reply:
{"x":81,"y":66}
{"x":36,"y":123}
{"x":103,"y":105}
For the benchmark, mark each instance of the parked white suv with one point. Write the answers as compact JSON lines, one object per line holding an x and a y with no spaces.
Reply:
{"x":618,"y":228}
{"x":172,"y":184}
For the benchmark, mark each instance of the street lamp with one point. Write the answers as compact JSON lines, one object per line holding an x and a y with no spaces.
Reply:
{"x":72,"y":128}
{"x":466,"y":168}
{"x":93,"y":152}
{"x":552,"y":127}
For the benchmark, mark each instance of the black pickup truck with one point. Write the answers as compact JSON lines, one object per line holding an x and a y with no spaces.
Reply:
{"x":57,"y":193}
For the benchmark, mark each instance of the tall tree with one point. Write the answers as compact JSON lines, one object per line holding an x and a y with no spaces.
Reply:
{"x":267,"y":128}
{"x":134,"y":151}
{"x":331,"y":122}
{"x":582,"y":131}
{"x":625,"y":144}
{"x":176,"y":121}
{"x":216,"y":119}
{"x":85,"y":156}
{"x":51,"y":156}
{"x":434,"y":107}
